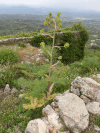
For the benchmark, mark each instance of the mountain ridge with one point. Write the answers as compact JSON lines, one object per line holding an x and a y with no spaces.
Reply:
{"x":42,"y":10}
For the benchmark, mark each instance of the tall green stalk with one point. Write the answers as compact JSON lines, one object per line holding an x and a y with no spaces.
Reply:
{"x":58,"y":20}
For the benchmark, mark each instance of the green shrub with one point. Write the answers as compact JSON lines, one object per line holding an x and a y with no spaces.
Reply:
{"x":7,"y":77}
{"x":21,"y":45}
{"x":36,"y":40}
{"x":78,"y":26}
{"x":97,"y":53}
{"x":76,"y":51}
{"x":8,"y":55}
{"x":86,"y":65}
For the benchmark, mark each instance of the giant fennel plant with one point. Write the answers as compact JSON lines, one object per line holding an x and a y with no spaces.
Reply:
{"x":35,"y":102}
{"x":50,"y":20}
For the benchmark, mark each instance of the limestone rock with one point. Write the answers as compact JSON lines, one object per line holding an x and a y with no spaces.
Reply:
{"x":52,"y":117}
{"x":93,"y":107}
{"x":20,"y":95}
{"x":14,"y":90}
{"x":73,"y":112}
{"x":7,"y":90}
{"x":36,"y":126}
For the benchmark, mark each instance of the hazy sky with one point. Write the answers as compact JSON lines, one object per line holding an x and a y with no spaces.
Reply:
{"x":84,"y":4}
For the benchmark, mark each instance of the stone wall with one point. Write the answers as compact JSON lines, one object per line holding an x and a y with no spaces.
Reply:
{"x":25,"y":39}
{"x":14,"y":40}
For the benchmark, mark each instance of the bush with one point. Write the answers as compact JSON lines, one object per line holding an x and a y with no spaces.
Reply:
{"x":21,"y":45}
{"x":7,"y":77}
{"x":76,"y":51}
{"x":86,"y":65}
{"x":36,"y":40}
{"x":8,"y":55}
{"x":97,"y":53}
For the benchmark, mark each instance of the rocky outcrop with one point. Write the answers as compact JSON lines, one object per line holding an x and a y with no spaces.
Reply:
{"x":71,"y":108}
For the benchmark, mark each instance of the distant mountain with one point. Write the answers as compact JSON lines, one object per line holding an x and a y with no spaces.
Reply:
{"x":35,"y":10}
